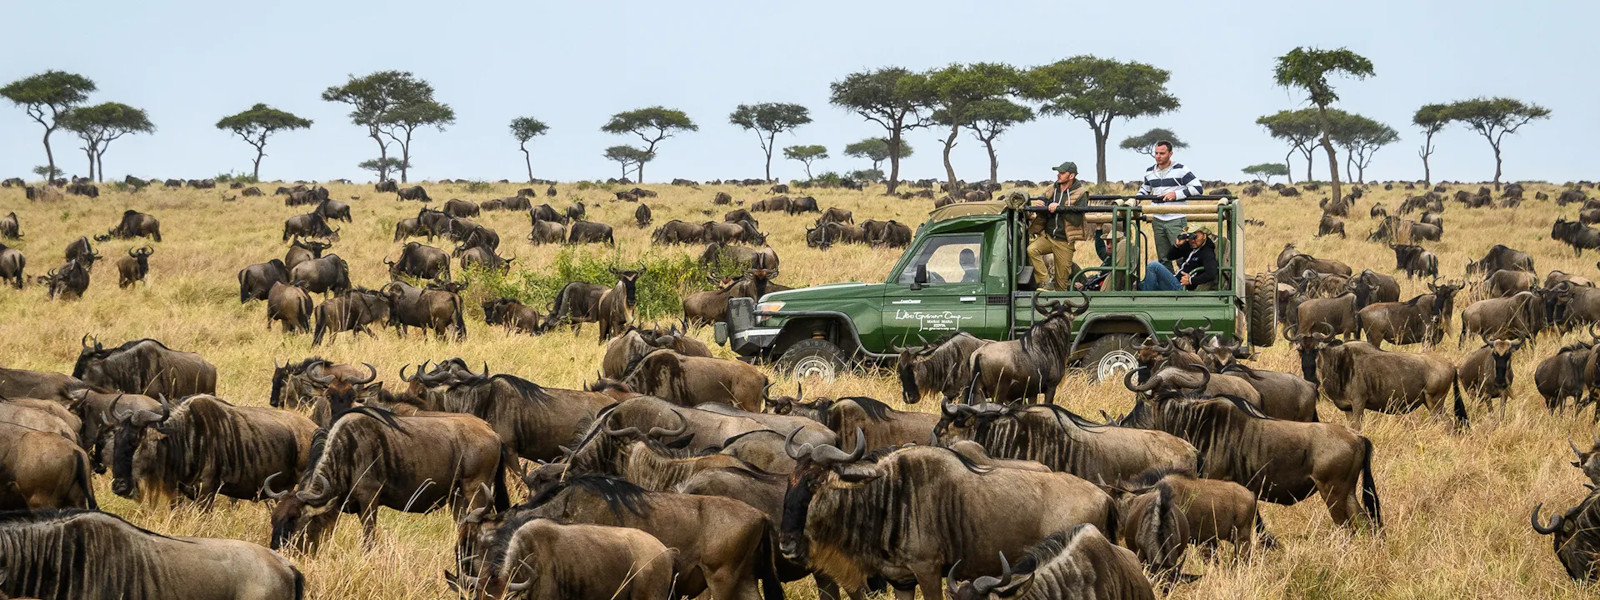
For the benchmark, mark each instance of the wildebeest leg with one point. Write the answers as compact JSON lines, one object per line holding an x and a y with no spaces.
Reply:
{"x":369,"y":526}
{"x":931,"y":580}
{"x":1358,"y":405}
{"x":1341,"y":501}
{"x":827,"y":588}
{"x":732,"y":583}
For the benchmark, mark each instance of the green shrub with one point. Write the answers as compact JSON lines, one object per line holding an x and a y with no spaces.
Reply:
{"x":236,"y":177}
{"x":479,"y":187}
{"x":666,"y":280}
{"x":584,"y":186}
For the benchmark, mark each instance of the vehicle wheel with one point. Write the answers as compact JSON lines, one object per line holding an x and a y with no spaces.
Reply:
{"x":1261,"y":307}
{"x":1110,"y":357}
{"x":806,"y":359}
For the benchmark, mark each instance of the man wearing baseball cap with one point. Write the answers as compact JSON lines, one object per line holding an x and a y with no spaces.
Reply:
{"x":1062,"y":229}
{"x":1195,"y":253}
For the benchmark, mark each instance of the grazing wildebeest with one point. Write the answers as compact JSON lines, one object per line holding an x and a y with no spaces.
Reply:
{"x":43,"y":470}
{"x":1562,"y":376}
{"x":577,"y":302}
{"x":67,"y":281}
{"x":942,"y":366}
{"x":387,"y":185}
{"x":1077,"y":563}
{"x":545,"y":212}
{"x":543,"y":558}
{"x":692,"y":380}
{"x":1409,"y":322}
{"x":10,"y":228}
{"x":642,"y":216}
{"x":420,"y":261}
{"x":532,"y":421}
{"x":678,"y":232}
{"x":547,"y":232}
{"x":1486,"y":372}
{"x":1338,"y":314}
{"x":803,"y":204}
{"x":145,"y":367}
{"x":835,"y":214}
{"x":1330,"y":225}
{"x":882,"y":426}
{"x":856,"y":519}
{"x":1415,"y":260}
{"x":291,"y":304}
{"x":516,"y":317}
{"x":1576,"y":544}
{"x":48,"y":553}
{"x":255,"y":281}
{"x":370,"y":458}
{"x":437,"y":307}
{"x":1063,"y":441}
{"x":618,"y":304}
{"x":1521,"y":315}
{"x":80,"y":250}
{"x":480,"y":257}
{"x":308,"y":225}
{"x":303,"y":250}
{"x":1031,"y":365}
{"x":1501,"y":284}
{"x":1214,"y":511}
{"x":590,"y":232}
{"x":12,"y":263}
{"x":413,"y":193}
{"x":333,"y":210}
{"x":461,"y":208}
{"x":353,"y":310}
{"x":1501,"y":258}
{"x":132,"y":268}
{"x":327,"y":275}
{"x":134,"y":224}
{"x":205,"y":447}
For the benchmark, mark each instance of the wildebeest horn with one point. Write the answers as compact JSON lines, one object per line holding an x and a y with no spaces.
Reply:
{"x":266,"y":487}
{"x":1555,"y":521}
{"x":827,"y":454}
{"x":683,"y":425}
{"x":1575,"y":449}
{"x":108,"y":418}
{"x":403,"y":373}
{"x":1205,"y":376}
{"x":520,"y":587}
{"x":85,"y":340}
{"x":318,"y":491}
{"x":624,"y":432}
{"x":315,"y":375}
{"x":1176,"y":325}
{"x":372,"y":373}
{"x":795,"y":452}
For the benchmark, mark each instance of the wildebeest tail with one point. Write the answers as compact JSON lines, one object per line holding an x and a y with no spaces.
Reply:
{"x":459,"y":311}
{"x":322,"y":325}
{"x":1369,"y":488}
{"x":1460,"y":407}
{"x":972,"y":385}
{"x":305,"y":312}
{"x":766,"y":564}
{"x":244,"y":295}
{"x":1113,"y":518}
{"x":299,"y":584}
{"x":502,"y":496}
{"x":1264,"y":537}
{"x":82,"y":475}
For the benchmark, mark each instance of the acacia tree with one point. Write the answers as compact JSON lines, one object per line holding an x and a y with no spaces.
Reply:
{"x":101,"y":124}
{"x":1431,"y":118}
{"x":417,"y":112}
{"x":380,"y":166}
{"x":876,"y":150}
{"x":1299,"y":129}
{"x":524,"y":129}
{"x":373,"y":100}
{"x":1265,"y":171}
{"x":256,"y":124}
{"x":627,"y":156}
{"x":1145,"y":143}
{"x":1099,"y":91}
{"x":989,"y":119}
{"x":652,"y":125}
{"x":806,"y":154}
{"x":769,"y":119}
{"x":955,"y":91}
{"x":892,"y":97}
{"x":46,"y":97}
{"x":1308,"y":69}
{"x":1493,"y":118}
{"x":1361,"y":137}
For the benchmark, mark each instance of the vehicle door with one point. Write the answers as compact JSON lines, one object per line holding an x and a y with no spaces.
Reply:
{"x":940,"y":290}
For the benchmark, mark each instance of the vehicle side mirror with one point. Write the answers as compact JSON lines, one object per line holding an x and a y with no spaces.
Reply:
{"x":921,"y":277}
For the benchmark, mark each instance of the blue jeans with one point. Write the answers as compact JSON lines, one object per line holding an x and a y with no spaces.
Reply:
{"x":1157,"y":278}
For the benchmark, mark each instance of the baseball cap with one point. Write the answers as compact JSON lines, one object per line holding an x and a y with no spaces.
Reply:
{"x":1067,"y":167}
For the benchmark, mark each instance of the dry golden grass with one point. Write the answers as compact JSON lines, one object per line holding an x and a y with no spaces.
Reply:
{"x":1456,"y":505}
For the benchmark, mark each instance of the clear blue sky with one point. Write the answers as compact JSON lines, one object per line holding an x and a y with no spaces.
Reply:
{"x":572,"y":64}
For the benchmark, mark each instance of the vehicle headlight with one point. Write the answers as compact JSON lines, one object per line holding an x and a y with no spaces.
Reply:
{"x":774,"y":306}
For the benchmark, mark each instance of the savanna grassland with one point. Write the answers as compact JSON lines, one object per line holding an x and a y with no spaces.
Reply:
{"x":1456,"y":505}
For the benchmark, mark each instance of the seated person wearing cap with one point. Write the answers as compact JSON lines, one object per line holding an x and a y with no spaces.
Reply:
{"x":1062,"y":229}
{"x":1195,"y":253}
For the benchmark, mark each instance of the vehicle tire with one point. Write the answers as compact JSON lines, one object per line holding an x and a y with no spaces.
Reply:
{"x":1261,"y":307}
{"x":1110,"y":357}
{"x":812,"y":358}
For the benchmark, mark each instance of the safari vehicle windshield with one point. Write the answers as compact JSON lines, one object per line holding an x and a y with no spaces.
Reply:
{"x":947,"y":259}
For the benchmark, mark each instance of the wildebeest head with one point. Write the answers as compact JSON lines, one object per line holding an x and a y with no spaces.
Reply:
{"x":1190,"y":338}
{"x":906,"y":369}
{"x":312,"y":246}
{"x":341,"y":393}
{"x":1006,"y":586}
{"x":305,"y":515}
{"x":813,"y":465}
{"x":629,"y":281}
{"x":1589,"y":461}
{"x":132,"y":432}
{"x":1500,"y":351}
{"x":1308,"y":345}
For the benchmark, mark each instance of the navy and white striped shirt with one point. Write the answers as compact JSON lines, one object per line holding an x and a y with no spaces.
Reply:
{"x":1175,"y":178}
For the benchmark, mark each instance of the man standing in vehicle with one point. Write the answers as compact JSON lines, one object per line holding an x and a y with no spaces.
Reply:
{"x":1062,"y":229}
{"x":1173,"y":183}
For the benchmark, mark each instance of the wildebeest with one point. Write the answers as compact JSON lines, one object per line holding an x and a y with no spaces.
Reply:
{"x":880,"y":425}
{"x":1498,"y":258}
{"x":483,"y":257}
{"x":532,"y":421}
{"x":1064,"y":441}
{"x":1357,"y":376}
{"x":543,"y":558}
{"x":145,"y":367}
{"x":42,"y":470}
{"x":10,"y":228}
{"x":461,"y":208}
{"x":370,"y":458}
{"x":835,"y":214}
{"x":294,"y":387}
{"x":1215,"y":511}
{"x":1409,"y":322}
{"x":719,"y":254}
{"x":327,"y":275}
{"x":590,"y":232}
{"x":892,"y":234}
{"x":802,"y":204}
{"x":387,"y":185}
{"x":48,"y":553}
{"x":856,"y":519}
{"x":255,"y":281}
{"x":1576,"y":544}
{"x":290,"y":304}
{"x":1562,"y":376}
{"x":132,"y":268}
{"x":1292,"y":264}
{"x":413,"y":193}
{"x":547,"y":232}
{"x":1282,"y":462}
{"x":1486,"y":372}
{"x":619,"y":304}
{"x":134,"y":224}
{"x":44,"y":385}
{"x":1032,"y":364}
{"x":516,"y":317}
{"x":420,"y":261}
{"x":576,"y":212}
{"x":1575,"y":234}
{"x":437,"y":307}
{"x":1330,"y":225}
{"x":1415,"y":260}
{"x":1519,"y":316}
{"x":308,"y":225}
{"x":545,"y":212}
{"x":206,"y":447}
{"x":80,"y":250}
{"x":67,"y":281}
{"x":333,"y":210}
{"x":1339,"y":314}
{"x":642,"y":216}
{"x":12,"y":263}
{"x":677,"y":232}
{"x":635,"y":343}
{"x":691,"y":380}
{"x":1077,"y":563}
{"x":303,"y":250}
{"x":353,"y":310}
{"x":301,"y":195}
{"x":577,"y":302}
{"x":1502,"y":284}
{"x":942,"y":366}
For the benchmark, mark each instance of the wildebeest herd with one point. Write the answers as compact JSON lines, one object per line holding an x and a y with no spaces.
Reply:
{"x":675,"y":472}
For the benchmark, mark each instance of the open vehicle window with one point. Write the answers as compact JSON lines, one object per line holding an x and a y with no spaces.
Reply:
{"x":949,"y":258}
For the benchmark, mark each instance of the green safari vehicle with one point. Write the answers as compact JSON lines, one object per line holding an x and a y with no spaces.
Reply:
{"x":936,"y":289}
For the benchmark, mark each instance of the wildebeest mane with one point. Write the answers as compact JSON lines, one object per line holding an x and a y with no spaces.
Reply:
{"x":50,"y":552}
{"x":875,"y":408}
{"x":618,"y":493}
